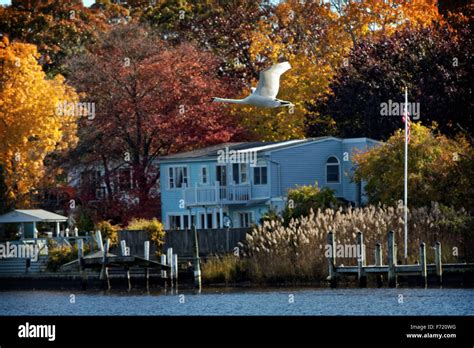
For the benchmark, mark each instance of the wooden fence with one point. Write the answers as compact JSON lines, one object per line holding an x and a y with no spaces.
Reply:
{"x":211,"y":241}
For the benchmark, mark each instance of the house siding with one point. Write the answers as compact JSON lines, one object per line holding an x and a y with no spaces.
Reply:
{"x":300,"y":164}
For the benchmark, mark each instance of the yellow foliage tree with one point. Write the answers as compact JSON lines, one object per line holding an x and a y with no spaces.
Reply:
{"x":30,"y":126}
{"x":315,"y":37}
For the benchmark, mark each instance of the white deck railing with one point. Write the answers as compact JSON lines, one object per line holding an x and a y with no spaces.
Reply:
{"x":217,"y":194}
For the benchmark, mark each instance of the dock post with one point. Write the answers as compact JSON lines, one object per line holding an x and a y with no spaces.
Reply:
{"x":392,"y":277}
{"x":146,"y":256}
{"x":424,"y":277}
{"x":332,"y":277}
{"x":361,"y":260}
{"x":439,"y":266}
{"x":169,"y":259}
{"x":123,"y":252}
{"x":105,"y":271}
{"x":80,"y":259}
{"x":123,"y":248}
{"x":163,"y":272}
{"x":197,"y":261}
{"x":175,"y":270}
{"x":378,"y":262}
{"x":98,"y":237}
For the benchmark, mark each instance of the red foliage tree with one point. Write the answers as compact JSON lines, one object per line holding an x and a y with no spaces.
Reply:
{"x":151,"y":99}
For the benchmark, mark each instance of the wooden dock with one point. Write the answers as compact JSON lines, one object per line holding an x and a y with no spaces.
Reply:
{"x":391,"y":269}
{"x":103,"y":260}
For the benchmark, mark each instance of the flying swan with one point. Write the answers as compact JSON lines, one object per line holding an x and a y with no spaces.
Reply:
{"x":267,"y":89}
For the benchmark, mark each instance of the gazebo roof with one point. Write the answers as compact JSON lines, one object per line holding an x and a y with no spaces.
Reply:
{"x":31,"y":215}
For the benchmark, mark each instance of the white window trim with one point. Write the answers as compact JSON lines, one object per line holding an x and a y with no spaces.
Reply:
{"x":181,"y":219}
{"x":332,"y":164}
{"x":168,"y":177}
{"x":201,"y":177}
{"x":247,"y":171}
{"x":252,"y":217}
{"x":253,"y":173}
{"x":226,"y":174}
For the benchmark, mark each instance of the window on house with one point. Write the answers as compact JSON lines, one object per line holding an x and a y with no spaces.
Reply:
{"x":204,"y":175}
{"x":178,"y":177}
{"x":221,"y":175}
{"x":175,"y":222}
{"x":239,"y":173}
{"x":245,"y":219}
{"x":260,"y":175}
{"x":332,"y":170}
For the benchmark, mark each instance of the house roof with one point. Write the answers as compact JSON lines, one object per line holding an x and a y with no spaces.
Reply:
{"x":31,"y":215}
{"x":212,"y":151}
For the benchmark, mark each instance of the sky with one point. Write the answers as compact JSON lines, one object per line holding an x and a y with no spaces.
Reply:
{"x":86,"y":2}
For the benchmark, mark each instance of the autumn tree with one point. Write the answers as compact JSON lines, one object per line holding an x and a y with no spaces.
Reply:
{"x":30,"y":126}
{"x":220,"y":26}
{"x":152,"y":99}
{"x":59,"y":28}
{"x":317,"y":45}
{"x":434,"y":63}
{"x":439,"y":169}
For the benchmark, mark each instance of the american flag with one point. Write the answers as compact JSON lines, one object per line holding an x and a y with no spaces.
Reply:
{"x":408,"y":126}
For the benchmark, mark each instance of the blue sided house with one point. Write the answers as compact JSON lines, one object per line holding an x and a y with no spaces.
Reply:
{"x":234,"y":184}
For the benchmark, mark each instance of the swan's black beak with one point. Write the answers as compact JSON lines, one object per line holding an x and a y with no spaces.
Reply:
{"x":286,"y":103}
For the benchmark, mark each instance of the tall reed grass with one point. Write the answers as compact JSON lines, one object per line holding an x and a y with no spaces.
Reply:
{"x":297,"y":252}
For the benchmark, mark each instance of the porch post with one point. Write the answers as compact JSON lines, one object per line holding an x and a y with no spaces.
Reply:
{"x":214,"y":218}
{"x":205,"y":217}
{"x":58,"y":229}
{"x":221,"y":220}
{"x":35,"y":234}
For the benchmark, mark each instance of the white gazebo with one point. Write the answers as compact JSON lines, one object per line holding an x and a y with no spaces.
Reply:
{"x":27,"y":219}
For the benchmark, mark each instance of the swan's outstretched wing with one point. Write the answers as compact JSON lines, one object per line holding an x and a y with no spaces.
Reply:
{"x":269,"y":81}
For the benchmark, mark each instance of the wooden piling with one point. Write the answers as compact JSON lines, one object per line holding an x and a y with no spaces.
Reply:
{"x":80,"y":258}
{"x":391,"y":255}
{"x":197,"y":261}
{"x":146,"y":256}
{"x":105,"y":269}
{"x":123,"y":248}
{"x":163,"y":272}
{"x":98,"y":237}
{"x":424,"y":274}
{"x":175,"y":265}
{"x":169,"y":259}
{"x":361,"y":260}
{"x":439,"y":266}
{"x":123,"y":252}
{"x":332,"y":277}
{"x":378,"y":262}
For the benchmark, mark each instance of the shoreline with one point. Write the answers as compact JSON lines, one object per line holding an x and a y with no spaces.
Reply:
{"x":74,"y":280}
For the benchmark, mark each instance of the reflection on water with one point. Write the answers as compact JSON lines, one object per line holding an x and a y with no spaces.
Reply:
{"x":243,"y":302}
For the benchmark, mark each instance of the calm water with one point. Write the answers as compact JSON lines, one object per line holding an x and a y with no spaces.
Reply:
{"x":243,"y":302}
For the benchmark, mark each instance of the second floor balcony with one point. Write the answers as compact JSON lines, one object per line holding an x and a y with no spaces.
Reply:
{"x":230,"y":194}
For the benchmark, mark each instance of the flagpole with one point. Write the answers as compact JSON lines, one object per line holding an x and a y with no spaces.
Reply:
{"x":406,"y":176}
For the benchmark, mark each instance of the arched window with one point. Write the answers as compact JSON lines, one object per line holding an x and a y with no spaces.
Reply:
{"x":332,"y":170}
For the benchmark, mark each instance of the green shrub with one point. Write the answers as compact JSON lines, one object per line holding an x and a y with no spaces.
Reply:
{"x":108,"y":231}
{"x":303,"y":199}
{"x":59,"y":255}
{"x":153,"y":227}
